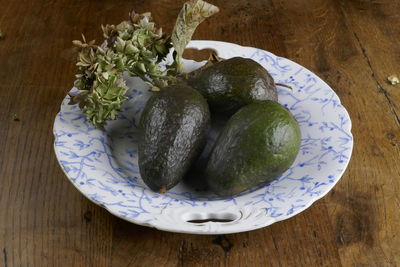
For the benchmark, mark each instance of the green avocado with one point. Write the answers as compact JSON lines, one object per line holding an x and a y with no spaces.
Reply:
{"x":195,"y":176}
{"x":173,"y":131}
{"x":230,"y":84}
{"x":257,"y":144}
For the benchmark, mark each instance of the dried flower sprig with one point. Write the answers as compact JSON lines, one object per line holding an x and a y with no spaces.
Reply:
{"x":100,"y":83}
{"x":137,"y":47}
{"x":143,"y":45}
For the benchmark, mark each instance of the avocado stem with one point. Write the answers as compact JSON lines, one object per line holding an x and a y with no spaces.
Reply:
{"x":284,"y":85}
{"x":162,"y":190}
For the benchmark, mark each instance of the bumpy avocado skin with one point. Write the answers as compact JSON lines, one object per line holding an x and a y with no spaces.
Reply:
{"x":257,"y":144}
{"x":173,"y":130}
{"x":230,"y":84}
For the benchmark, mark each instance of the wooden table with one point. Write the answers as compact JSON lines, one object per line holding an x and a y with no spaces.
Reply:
{"x":353,"y":45}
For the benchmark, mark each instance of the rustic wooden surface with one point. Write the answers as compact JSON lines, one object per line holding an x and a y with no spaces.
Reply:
{"x":352,"y":44}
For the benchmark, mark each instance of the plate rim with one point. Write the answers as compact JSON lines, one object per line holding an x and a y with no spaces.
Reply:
{"x":208,"y":44}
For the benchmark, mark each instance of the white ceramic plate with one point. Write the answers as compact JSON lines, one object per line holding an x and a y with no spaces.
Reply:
{"x":103,"y":165}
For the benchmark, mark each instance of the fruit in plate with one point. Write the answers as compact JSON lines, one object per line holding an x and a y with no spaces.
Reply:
{"x":257,"y":144}
{"x":195,"y":176}
{"x":230,"y":84}
{"x":173,"y":129}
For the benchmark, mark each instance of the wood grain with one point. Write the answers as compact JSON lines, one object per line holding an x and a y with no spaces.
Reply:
{"x":353,"y":45}
{"x":360,"y":204}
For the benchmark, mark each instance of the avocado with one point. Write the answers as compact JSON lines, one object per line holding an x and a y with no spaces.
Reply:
{"x":257,"y":144}
{"x":173,"y":131}
{"x":195,"y":176}
{"x":230,"y":84}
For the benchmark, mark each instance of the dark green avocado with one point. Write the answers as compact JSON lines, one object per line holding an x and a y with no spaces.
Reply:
{"x":230,"y":84}
{"x":257,"y":144}
{"x":173,"y":130}
{"x":195,"y":176}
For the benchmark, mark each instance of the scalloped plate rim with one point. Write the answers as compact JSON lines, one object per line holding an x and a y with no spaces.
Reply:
{"x":221,"y":230}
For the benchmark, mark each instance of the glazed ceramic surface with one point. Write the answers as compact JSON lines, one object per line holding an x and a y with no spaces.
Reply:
{"x":103,"y":165}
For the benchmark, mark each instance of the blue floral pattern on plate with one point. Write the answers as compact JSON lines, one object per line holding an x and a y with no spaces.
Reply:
{"x":103,"y":165}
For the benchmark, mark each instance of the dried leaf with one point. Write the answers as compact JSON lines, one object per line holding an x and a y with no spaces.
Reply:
{"x":15,"y":117}
{"x":191,"y":15}
{"x":393,"y":79}
{"x":77,"y":43}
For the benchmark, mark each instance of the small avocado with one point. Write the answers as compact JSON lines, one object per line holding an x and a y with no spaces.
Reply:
{"x":257,"y":144}
{"x":173,"y":131}
{"x":230,"y":84}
